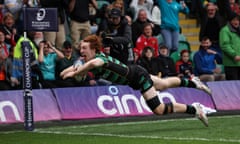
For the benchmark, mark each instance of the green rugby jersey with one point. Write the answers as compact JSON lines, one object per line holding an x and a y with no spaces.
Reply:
{"x":113,"y":70}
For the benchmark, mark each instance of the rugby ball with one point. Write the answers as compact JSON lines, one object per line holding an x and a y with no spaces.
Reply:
{"x":76,"y":64}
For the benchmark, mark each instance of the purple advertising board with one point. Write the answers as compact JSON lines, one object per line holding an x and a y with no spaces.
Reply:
{"x":115,"y":101}
{"x":109,"y":101}
{"x":226,"y":94}
{"x":12,"y":111}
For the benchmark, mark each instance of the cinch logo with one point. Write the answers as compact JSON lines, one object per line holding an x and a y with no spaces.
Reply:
{"x":121,"y":104}
{"x":41,"y":14}
{"x":4,"y":104}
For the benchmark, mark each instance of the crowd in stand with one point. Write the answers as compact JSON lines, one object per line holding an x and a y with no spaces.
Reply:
{"x":129,"y":30}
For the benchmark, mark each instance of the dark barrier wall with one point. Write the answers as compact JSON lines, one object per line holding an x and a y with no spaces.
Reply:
{"x":109,"y":101}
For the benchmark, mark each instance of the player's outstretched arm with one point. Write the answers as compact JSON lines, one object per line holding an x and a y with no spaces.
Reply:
{"x":67,"y":70}
{"x":83,"y":69}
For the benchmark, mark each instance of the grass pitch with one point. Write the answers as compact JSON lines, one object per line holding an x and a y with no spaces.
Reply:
{"x":221,"y":130}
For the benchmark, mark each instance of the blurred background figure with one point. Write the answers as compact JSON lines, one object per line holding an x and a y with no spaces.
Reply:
{"x":117,"y":35}
{"x":230,"y":45}
{"x":184,"y":66}
{"x":234,"y":6}
{"x":170,"y":27}
{"x":5,"y":64}
{"x":8,"y":27}
{"x":17,"y":65}
{"x":56,"y":38}
{"x":205,"y":62}
{"x":210,"y":25}
{"x":167,"y":65}
{"x":48,"y":55}
{"x":136,"y":5}
{"x":147,"y":39}
{"x":138,"y":24}
{"x":80,"y":26}
{"x":149,"y":61}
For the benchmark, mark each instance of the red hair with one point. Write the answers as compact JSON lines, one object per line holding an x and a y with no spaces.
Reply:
{"x":184,"y":51}
{"x":95,"y":42}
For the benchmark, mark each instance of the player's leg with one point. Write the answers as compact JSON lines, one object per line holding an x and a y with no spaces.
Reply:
{"x":159,"y":108}
{"x":170,"y":82}
{"x":162,"y":84}
{"x":140,"y":79}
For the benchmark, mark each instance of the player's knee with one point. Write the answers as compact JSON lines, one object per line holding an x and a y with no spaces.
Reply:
{"x":155,"y":102}
{"x":168,"y":108}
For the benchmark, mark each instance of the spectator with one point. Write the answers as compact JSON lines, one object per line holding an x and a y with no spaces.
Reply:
{"x":205,"y":60}
{"x":149,"y":62}
{"x":147,"y":5}
{"x":93,"y":19}
{"x":230,"y":45}
{"x":80,"y":20}
{"x":234,"y":6}
{"x":47,"y":63}
{"x":117,"y":36}
{"x":211,"y":25}
{"x":17,"y":65}
{"x":9,"y":29}
{"x":170,"y":22}
{"x":224,"y":10}
{"x":33,"y":3}
{"x":59,"y":36}
{"x":37,"y":37}
{"x":156,"y":18}
{"x":137,"y":26}
{"x":61,"y":64}
{"x":13,"y":6}
{"x":119,"y":4}
{"x":184,"y":66}
{"x":147,"y":39}
{"x":5,"y":66}
{"x":103,"y":14}
{"x":194,"y":8}
{"x":167,"y":65}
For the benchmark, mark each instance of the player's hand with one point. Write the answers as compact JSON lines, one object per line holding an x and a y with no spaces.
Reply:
{"x":65,"y":71}
{"x":68,"y":75}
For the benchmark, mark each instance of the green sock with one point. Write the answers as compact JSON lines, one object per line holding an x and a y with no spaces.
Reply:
{"x":184,"y":82}
{"x":187,"y":83}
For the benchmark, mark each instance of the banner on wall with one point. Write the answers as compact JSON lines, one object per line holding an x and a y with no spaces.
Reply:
{"x":12,"y":109}
{"x":116,"y":101}
{"x":226,"y":94}
{"x":109,"y":101}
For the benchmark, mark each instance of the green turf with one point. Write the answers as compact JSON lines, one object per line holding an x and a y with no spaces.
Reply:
{"x":222,"y":130}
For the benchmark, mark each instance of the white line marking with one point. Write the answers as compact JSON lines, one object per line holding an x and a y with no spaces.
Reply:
{"x":139,"y":136}
{"x":48,"y":130}
{"x":136,"y":122}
